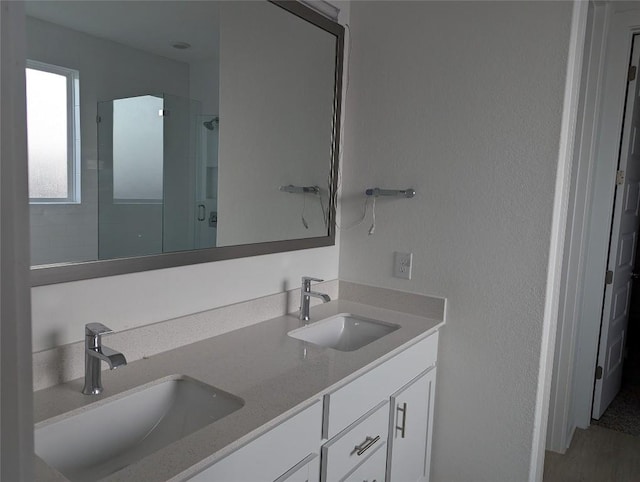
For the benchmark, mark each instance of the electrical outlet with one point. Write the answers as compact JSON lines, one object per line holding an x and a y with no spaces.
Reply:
{"x":402,"y":265}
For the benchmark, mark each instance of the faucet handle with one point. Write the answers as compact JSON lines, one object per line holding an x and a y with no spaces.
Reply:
{"x":307,"y":279}
{"x":96,"y":329}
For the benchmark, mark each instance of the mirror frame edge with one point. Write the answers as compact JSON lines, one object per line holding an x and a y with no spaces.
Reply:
{"x":42,"y":275}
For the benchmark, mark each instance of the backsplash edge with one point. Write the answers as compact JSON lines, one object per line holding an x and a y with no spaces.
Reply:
{"x":66,"y":362}
{"x":416,"y":304}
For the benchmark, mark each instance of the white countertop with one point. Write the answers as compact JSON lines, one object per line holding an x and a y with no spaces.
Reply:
{"x":274,"y":374}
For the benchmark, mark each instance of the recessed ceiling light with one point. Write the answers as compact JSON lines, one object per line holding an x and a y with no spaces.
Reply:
{"x":181,"y":45}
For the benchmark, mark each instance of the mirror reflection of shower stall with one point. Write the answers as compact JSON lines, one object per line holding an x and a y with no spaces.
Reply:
{"x":207,"y":177}
{"x":152,"y":167}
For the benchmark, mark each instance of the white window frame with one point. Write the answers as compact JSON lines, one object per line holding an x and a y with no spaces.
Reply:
{"x":73,"y":132}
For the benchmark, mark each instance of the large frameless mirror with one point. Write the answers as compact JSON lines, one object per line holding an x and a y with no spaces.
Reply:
{"x":165,"y":133}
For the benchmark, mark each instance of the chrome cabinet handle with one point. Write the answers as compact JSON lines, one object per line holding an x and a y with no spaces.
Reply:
{"x":364,"y":446}
{"x":201,"y":212}
{"x":402,"y":427}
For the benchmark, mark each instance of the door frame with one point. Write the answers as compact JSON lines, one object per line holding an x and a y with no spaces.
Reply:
{"x":555,"y":267}
{"x":587,"y":248}
{"x":560,"y":426}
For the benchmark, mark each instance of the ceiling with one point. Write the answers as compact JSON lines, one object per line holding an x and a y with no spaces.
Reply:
{"x":152,"y":26}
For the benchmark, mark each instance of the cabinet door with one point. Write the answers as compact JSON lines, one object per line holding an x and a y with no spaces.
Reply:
{"x":410,"y":427}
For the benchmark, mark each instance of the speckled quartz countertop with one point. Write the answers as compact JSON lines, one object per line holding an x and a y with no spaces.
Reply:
{"x":274,"y":374}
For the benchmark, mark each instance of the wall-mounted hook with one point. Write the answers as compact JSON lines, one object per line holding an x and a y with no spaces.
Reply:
{"x":300,"y":189}
{"x":376,"y":191}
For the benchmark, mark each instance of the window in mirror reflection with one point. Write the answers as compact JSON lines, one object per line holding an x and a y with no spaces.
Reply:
{"x":53,"y":127}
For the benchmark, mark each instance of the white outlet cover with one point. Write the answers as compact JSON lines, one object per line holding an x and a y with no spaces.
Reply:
{"x":402,"y":263}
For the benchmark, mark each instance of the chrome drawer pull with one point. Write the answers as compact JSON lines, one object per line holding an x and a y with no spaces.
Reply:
{"x":404,"y":419}
{"x":364,"y":446}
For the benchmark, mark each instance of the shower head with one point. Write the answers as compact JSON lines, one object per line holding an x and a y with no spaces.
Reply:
{"x":212,"y":124}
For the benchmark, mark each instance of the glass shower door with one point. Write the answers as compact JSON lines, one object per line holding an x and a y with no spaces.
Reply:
{"x":130,"y":177}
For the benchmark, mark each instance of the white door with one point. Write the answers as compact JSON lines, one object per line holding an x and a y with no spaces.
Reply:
{"x":409,"y":446}
{"x":622,"y":250}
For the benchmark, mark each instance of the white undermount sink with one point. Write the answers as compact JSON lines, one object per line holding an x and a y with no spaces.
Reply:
{"x":343,"y":332}
{"x":99,"y":441}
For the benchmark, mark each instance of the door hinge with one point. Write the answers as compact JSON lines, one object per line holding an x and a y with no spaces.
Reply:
{"x":632,"y":73}
{"x":163,"y":113}
{"x":598,"y":372}
{"x":620,"y":178}
{"x":608,"y":278}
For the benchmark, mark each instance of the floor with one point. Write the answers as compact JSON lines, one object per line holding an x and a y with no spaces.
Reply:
{"x":609,"y":451}
{"x":623,"y":414}
{"x":596,"y":455}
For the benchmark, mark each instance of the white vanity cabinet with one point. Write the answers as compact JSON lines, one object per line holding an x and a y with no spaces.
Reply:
{"x":283,"y":453}
{"x":402,"y":384}
{"x":410,"y":422}
{"x":374,"y":428}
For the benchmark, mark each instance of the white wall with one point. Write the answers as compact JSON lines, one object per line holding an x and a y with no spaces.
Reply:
{"x":16,"y":403}
{"x":108,"y":70}
{"x":463,"y":102}
{"x":203,"y":86}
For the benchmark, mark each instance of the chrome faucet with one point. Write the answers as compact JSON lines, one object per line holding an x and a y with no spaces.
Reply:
{"x":94,"y":353}
{"x":306,"y":294}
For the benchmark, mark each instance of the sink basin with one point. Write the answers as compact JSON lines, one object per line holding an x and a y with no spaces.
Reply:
{"x":99,"y":441}
{"x":344,"y":332}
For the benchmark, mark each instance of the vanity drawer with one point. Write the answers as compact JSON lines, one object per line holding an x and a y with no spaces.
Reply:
{"x":354,"y":445}
{"x":373,"y":469}
{"x":307,"y":470}
{"x":271,"y":454}
{"x":349,"y":402}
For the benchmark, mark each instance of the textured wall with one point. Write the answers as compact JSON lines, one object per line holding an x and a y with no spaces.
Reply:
{"x":463,"y":102}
